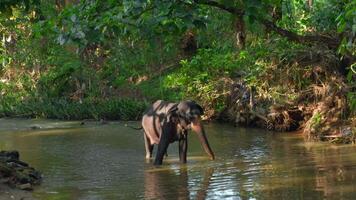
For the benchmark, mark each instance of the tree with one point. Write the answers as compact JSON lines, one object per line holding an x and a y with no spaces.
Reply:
{"x":254,"y":11}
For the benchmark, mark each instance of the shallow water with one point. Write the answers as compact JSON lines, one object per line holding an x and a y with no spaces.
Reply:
{"x":94,"y":161}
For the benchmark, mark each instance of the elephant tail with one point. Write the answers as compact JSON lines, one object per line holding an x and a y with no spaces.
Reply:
{"x":136,"y":128}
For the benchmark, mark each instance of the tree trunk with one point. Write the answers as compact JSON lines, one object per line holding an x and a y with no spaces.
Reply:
{"x":189,"y":44}
{"x":240,"y":32}
{"x":61,"y":4}
{"x":276,"y":13}
{"x":309,"y":4}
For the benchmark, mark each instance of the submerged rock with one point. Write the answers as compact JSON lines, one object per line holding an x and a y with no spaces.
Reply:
{"x":35,"y":126}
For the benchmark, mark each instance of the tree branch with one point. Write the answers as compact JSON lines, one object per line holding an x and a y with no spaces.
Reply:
{"x":331,"y":42}
{"x":232,"y":10}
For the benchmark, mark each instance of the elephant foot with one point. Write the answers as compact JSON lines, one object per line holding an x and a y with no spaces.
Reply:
{"x":157,"y":163}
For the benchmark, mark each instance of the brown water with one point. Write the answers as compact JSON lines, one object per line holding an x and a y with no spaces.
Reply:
{"x":107,"y":162}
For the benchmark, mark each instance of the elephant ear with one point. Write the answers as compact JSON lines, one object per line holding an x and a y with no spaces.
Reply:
{"x":201,"y":110}
{"x":196,"y":109}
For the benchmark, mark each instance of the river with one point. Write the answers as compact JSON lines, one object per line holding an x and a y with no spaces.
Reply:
{"x":96,"y":161}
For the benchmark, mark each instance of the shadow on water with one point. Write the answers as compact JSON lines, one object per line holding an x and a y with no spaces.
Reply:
{"x":107,"y":162}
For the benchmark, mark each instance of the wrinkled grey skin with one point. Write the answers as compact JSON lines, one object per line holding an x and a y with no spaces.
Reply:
{"x":167,"y":122}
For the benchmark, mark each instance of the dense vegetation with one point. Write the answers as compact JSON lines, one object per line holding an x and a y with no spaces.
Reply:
{"x":281,"y":65}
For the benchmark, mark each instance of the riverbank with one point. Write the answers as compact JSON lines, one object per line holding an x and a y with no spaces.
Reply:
{"x":6,"y":193}
{"x":306,"y":91}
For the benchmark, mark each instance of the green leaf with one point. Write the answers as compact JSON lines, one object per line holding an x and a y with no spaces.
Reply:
{"x":341,"y":25}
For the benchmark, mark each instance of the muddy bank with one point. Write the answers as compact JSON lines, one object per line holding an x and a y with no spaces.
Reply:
{"x":6,"y":193}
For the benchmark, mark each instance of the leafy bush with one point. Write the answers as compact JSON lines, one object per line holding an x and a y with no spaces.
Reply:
{"x":202,"y":77}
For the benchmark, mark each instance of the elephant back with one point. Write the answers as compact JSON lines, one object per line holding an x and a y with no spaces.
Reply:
{"x":161,"y":107}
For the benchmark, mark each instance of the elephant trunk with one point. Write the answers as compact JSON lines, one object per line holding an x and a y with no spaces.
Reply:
{"x":197,"y":127}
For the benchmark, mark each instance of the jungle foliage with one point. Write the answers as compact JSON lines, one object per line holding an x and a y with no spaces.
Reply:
{"x":72,"y":59}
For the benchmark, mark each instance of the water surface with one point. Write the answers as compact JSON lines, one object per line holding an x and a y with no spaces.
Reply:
{"x":95,"y":161}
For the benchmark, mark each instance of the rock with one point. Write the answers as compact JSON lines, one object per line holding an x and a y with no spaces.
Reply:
{"x":6,"y":155}
{"x":17,"y":173}
{"x":35,"y":127}
{"x":26,"y":186}
{"x":19,"y":163}
{"x":346,"y":131}
{"x":102,"y":121}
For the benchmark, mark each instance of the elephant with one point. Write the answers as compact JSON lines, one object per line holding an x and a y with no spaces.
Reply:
{"x":166,"y":122}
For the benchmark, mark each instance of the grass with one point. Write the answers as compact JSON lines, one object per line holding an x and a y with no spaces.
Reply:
{"x":62,"y":108}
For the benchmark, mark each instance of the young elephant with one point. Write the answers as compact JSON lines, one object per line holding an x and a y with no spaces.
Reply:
{"x":167,"y":122}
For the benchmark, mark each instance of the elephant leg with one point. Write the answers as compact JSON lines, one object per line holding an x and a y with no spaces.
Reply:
{"x":162,"y":148}
{"x":183,"y":147}
{"x":148,"y":147}
{"x":163,"y":143}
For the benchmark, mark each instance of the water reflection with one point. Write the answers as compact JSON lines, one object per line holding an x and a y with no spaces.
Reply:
{"x":159,"y":182}
{"x":315,"y":171}
{"x":166,"y":184}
